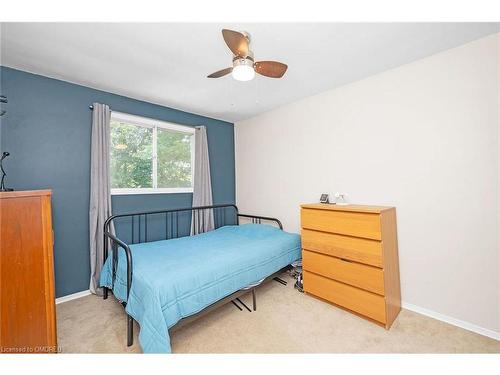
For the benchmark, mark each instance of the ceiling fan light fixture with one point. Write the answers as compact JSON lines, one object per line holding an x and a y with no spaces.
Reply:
{"x":244,"y":65}
{"x":243,"y":70}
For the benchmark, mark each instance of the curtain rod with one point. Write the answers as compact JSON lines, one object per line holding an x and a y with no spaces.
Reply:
{"x":196,"y":127}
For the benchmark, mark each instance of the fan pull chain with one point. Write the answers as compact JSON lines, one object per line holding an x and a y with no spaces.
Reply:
{"x":232,"y":104}
{"x":257,"y":91}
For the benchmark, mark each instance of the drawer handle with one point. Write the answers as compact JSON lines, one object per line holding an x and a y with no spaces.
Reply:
{"x":345,"y":260}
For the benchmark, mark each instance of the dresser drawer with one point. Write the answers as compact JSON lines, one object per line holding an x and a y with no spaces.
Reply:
{"x":352,"y":298}
{"x":358,"y":224}
{"x":359,"y":275}
{"x":351,"y":248}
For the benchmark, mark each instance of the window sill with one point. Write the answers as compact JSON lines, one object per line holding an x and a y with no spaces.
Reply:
{"x":140,"y":191}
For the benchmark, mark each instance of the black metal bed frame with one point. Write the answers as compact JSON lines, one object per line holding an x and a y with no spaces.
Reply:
{"x":171,"y":230}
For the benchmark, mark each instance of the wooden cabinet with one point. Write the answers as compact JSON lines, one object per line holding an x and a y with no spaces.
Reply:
{"x":350,"y":258}
{"x":27,"y":310}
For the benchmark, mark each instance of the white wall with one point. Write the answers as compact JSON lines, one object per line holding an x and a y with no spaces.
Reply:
{"x":422,"y":137}
{"x":498,"y":173}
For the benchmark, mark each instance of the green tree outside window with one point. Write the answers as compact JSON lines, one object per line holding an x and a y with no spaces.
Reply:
{"x":132,"y":161}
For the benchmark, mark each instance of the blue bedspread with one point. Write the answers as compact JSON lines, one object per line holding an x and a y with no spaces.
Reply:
{"x":176,"y":278}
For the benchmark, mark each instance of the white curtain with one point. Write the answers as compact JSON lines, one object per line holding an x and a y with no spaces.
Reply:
{"x":202,"y":186}
{"x":100,"y":196}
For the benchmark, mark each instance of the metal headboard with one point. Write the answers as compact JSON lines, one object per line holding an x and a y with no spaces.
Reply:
{"x":223,"y":214}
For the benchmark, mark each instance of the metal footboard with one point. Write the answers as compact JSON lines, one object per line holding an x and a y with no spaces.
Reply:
{"x":174,"y":223}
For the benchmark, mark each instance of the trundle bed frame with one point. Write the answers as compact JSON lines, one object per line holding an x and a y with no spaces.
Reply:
{"x":138,"y":223}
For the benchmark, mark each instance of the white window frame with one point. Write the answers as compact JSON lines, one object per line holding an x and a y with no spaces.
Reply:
{"x":155,"y":124}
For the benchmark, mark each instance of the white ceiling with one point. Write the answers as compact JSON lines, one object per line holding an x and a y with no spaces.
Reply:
{"x":167,"y":63}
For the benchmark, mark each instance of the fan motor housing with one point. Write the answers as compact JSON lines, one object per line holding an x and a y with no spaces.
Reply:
{"x":237,"y":61}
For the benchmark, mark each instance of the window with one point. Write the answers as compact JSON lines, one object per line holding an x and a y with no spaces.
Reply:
{"x":150,"y":156}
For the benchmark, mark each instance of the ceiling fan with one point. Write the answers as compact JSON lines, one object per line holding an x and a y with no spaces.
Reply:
{"x":244,"y":66}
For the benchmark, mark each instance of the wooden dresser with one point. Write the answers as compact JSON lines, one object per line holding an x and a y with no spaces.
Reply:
{"x":27,"y":310}
{"x":350,"y":258}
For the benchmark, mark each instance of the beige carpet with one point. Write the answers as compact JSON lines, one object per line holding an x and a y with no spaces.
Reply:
{"x":286,"y":321}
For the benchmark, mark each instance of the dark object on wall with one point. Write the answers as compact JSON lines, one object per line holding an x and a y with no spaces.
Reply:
{"x":3,"y":99}
{"x":324,"y":198}
{"x":2,"y":185}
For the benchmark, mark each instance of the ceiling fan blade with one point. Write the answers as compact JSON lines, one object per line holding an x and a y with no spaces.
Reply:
{"x":220,"y":73}
{"x":273,"y":69}
{"x":237,"y":42}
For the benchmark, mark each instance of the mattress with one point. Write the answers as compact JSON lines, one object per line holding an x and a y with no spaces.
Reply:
{"x":176,"y":278}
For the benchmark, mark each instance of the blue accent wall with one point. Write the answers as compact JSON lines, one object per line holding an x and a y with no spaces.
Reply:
{"x":47,"y":131}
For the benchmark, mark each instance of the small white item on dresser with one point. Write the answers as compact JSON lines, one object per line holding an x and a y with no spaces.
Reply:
{"x":340,"y":199}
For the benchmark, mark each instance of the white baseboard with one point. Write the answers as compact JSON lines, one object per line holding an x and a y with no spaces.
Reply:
{"x":453,"y":321}
{"x":73,"y":296}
